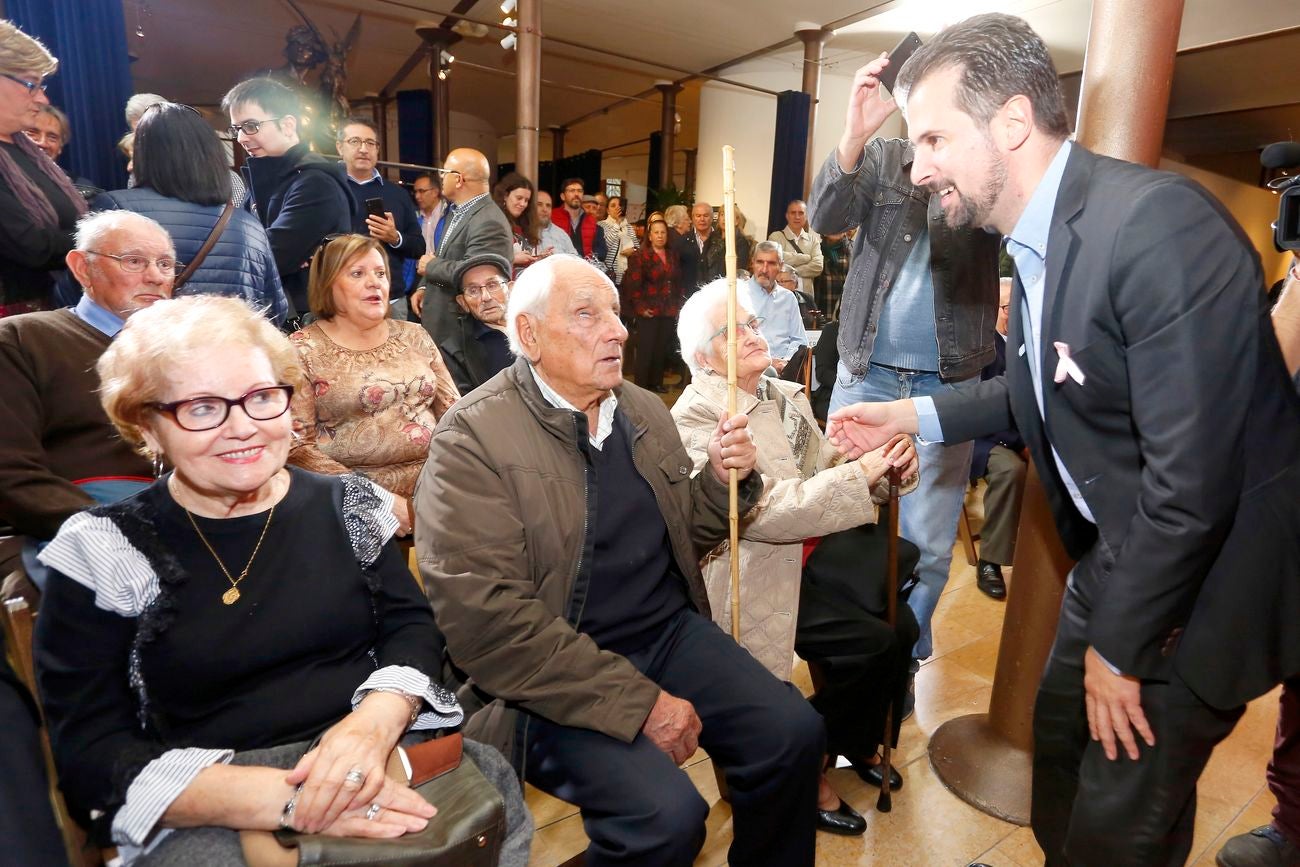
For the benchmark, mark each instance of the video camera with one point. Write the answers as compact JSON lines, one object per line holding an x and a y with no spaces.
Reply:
{"x":1279,"y":156}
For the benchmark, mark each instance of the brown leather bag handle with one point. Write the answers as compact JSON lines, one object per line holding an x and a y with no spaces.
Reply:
{"x":208,"y":244}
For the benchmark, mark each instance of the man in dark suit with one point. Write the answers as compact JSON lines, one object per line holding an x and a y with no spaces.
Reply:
{"x":1145,"y":377}
{"x":476,"y":225}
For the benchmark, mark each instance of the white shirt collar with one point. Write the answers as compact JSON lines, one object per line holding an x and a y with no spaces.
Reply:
{"x":605,"y":422}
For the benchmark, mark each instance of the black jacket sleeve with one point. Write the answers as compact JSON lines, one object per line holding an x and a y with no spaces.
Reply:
{"x":408,"y":634}
{"x":408,"y":223}
{"x":314,"y":206}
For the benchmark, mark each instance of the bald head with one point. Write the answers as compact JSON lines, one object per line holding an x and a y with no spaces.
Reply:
{"x":465,"y":175}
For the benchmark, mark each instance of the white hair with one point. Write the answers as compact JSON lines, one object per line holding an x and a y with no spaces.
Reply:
{"x":93,"y":228}
{"x":137,"y":104}
{"x":695,"y":327}
{"x":532,"y":291}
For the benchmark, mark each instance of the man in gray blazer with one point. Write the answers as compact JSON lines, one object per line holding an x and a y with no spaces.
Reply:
{"x":1146,"y":379}
{"x":475,"y":226}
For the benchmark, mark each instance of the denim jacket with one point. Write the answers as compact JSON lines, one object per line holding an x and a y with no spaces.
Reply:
{"x":879,"y":198}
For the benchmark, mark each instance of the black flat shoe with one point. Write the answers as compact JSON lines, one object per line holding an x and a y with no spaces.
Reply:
{"x":988,"y":578}
{"x":845,"y":821}
{"x":870,"y":774}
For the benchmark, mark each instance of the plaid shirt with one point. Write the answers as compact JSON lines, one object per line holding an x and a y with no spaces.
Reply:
{"x":652,"y":287}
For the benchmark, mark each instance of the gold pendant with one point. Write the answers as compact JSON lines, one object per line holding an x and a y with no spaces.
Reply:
{"x":231,"y":596}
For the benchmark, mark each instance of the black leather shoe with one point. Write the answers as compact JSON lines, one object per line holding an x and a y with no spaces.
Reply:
{"x":845,"y":821}
{"x":988,"y":578}
{"x":870,"y":774}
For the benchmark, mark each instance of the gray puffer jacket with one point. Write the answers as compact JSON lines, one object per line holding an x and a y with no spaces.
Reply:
{"x":239,"y":265}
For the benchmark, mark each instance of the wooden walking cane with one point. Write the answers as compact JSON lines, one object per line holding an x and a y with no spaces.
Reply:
{"x":733,"y":503}
{"x":885,"y":802}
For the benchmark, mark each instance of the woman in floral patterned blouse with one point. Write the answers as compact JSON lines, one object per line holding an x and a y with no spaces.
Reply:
{"x":375,"y":386}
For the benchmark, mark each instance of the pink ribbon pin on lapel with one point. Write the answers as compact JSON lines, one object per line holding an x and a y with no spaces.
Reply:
{"x":1066,"y":366}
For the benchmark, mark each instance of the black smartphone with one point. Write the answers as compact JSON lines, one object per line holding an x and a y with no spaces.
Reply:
{"x":902,"y":51}
{"x":375,"y":208}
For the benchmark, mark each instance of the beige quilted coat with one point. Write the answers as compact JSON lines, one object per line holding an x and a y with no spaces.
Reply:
{"x":792,"y":509}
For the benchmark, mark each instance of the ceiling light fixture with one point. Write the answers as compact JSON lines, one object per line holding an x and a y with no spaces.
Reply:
{"x":508,"y":41}
{"x":509,"y":6}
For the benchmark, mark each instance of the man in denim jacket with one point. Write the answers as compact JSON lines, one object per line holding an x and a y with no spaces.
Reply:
{"x":920,"y":301}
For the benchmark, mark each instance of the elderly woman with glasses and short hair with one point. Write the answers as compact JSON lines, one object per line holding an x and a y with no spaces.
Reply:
{"x":39,"y":206}
{"x":196,"y":638}
{"x":373,"y":387}
{"x":811,"y":560}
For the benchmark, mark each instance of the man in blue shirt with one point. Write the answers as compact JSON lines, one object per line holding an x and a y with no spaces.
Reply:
{"x":1147,"y":382}
{"x":774,"y":304}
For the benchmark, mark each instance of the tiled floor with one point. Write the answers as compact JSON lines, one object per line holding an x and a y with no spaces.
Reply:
{"x":929,"y":825}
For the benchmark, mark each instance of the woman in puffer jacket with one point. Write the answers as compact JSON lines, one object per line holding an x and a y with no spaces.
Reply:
{"x":183,"y":182}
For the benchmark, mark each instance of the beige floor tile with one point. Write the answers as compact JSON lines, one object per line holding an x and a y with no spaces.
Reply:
{"x":971,"y":609}
{"x":1020,"y":849}
{"x":980,"y":656}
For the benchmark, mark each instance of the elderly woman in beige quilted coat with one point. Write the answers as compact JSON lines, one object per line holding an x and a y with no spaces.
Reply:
{"x":809,"y":492}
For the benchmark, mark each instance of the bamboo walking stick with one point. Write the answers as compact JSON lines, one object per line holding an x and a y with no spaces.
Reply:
{"x":885,"y":802}
{"x":733,"y":504}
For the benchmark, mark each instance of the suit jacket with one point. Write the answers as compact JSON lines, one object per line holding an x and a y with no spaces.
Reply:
{"x":1009,"y":438}
{"x":1184,"y":436}
{"x":484,"y":229}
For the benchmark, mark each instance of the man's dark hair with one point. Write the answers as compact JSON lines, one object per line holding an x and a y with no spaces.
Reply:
{"x":999,"y":56}
{"x":432,"y":177}
{"x":275,"y":98}
{"x":568,"y":182}
{"x":179,"y":156}
{"x":356,"y":120}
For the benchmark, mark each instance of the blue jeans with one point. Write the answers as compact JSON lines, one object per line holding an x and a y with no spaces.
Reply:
{"x":927,"y":516}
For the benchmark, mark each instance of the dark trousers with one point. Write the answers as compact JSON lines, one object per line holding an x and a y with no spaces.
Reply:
{"x":1006,"y":487}
{"x":1088,"y":810}
{"x":653,"y":338}
{"x":27,"y":824}
{"x":1284,"y":767}
{"x":863,"y":663}
{"x":639,"y":808}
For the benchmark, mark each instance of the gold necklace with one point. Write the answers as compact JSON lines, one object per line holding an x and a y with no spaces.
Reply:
{"x":231,"y":596}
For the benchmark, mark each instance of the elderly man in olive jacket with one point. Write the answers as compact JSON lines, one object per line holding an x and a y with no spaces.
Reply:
{"x":559,"y":534}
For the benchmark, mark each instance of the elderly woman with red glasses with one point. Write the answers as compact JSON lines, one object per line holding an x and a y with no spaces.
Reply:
{"x":197,"y":637}
{"x":39,"y":206}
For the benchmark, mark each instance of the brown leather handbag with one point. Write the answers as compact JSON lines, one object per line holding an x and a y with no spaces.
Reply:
{"x":467,"y":831}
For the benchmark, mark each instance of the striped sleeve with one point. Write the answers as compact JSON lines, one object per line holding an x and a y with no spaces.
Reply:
{"x":154,"y":788}
{"x":92,"y":551}
{"x":441,"y":710}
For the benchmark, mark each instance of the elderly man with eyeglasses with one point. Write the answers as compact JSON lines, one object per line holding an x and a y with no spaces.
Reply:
{"x":58,"y":452}
{"x":477,"y":349}
{"x":299,"y":196}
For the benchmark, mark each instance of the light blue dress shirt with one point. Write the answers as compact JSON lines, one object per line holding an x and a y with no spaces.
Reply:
{"x":1027,"y":245}
{"x":97,"y":317}
{"x":779,"y":310}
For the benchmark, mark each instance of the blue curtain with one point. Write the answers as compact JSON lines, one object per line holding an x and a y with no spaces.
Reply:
{"x":414,"y":129}
{"x":788,"y":154}
{"x":93,"y":82}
